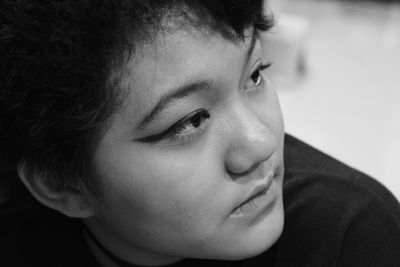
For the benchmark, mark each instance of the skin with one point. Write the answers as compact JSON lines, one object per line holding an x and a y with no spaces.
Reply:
{"x":173,"y":198}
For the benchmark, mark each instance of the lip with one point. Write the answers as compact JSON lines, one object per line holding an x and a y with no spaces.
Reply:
{"x":258,"y":191}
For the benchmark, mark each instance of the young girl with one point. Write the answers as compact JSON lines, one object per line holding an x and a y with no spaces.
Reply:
{"x":153,"y":127}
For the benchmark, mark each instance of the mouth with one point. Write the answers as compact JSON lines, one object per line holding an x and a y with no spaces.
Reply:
{"x":257,"y":199}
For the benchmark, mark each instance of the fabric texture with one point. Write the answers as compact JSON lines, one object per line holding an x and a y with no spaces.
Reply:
{"x":334,"y":216}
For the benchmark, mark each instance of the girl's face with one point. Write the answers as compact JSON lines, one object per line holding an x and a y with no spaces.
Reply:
{"x":192,"y":164}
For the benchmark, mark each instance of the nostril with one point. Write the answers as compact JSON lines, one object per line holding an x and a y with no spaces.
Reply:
{"x":247,"y":150}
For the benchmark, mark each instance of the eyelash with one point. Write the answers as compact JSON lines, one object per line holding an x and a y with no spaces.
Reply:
{"x":258,"y":71}
{"x":196,"y":120}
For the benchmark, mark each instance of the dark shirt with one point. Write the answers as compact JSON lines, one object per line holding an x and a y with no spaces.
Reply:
{"x":334,"y":216}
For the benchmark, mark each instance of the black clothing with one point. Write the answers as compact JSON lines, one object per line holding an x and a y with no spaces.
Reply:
{"x":334,"y":216}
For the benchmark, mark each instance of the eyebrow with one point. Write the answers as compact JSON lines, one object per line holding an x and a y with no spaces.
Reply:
{"x":188,"y":89}
{"x":180,"y":92}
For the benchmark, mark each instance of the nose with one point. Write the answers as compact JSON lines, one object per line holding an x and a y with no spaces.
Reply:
{"x":251,"y":142}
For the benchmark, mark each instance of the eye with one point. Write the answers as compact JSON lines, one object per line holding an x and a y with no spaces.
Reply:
{"x":256,"y":79}
{"x":183,"y":130}
{"x":190,"y":126}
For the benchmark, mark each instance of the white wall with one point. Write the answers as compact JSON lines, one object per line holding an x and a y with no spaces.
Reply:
{"x":348,"y":103}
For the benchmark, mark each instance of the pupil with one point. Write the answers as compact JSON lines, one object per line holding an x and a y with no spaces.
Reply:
{"x":256,"y":77}
{"x":198,"y":118}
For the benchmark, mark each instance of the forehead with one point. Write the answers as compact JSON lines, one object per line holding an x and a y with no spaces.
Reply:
{"x":174,"y":58}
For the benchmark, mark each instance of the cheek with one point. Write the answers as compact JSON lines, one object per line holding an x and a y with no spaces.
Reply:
{"x":180,"y":192}
{"x":266,"y":106}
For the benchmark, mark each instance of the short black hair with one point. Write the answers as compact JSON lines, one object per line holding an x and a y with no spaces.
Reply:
{"x":58,"y":65}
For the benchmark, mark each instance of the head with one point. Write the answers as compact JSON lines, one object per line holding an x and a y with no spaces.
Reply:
{"x":152,"y":121}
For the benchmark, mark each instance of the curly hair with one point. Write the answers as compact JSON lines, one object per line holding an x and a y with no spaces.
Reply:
{"x":59,"y":62}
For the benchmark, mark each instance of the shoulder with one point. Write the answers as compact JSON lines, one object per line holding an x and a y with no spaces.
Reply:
{"x":312,"y":175}
{"x":32,"y":235}
{"x":335,"y":214}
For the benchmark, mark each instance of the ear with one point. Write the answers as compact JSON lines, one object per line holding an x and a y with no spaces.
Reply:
{"x":72,"y":204}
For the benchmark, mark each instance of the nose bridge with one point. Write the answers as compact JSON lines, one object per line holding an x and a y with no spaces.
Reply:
{"x":251,"y":141}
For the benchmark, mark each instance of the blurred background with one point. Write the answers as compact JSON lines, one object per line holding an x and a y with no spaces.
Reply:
{"x":336,"y":67}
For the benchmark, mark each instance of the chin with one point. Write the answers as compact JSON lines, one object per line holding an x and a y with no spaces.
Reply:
{"x":254,"y":240}
{"x":259,"y":240}
{"x":260,"y":237}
